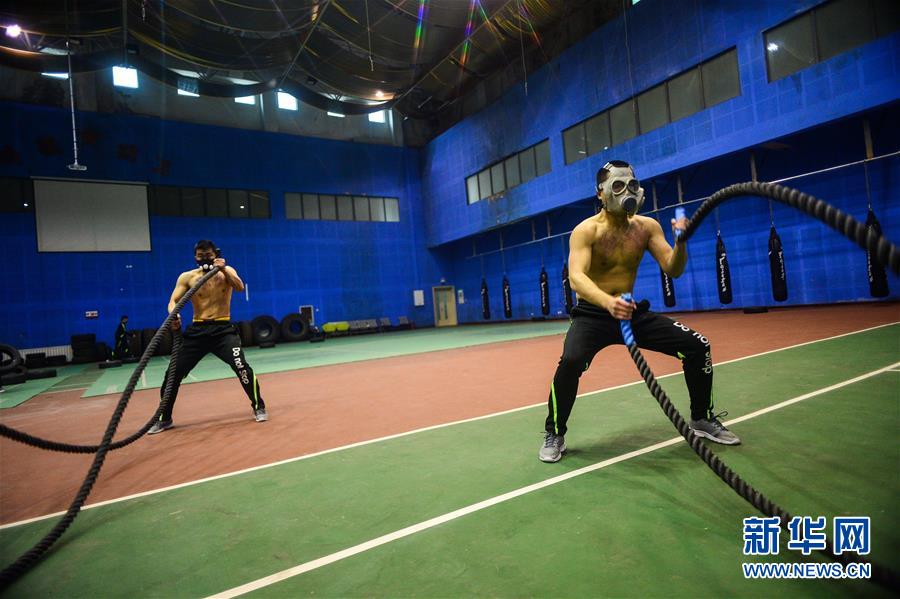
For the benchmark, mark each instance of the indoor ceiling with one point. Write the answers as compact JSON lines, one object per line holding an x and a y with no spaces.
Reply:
{"x":354,"y":56}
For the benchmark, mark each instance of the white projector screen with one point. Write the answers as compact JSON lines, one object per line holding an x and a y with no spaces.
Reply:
{"x":81,"y":216}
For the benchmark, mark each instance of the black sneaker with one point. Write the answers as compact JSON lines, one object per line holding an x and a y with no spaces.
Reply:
{"x":712,"y":429}
{"x":553,"y":448}
{"x":160,"y":426}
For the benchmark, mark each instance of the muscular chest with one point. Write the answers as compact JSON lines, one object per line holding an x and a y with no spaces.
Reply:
{"x":619,"y":248}
{"x":214,"y":289}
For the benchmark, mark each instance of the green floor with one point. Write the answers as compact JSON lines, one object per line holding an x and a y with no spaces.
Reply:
{"x":14,"y":395}
{"x":293,"y":356}
{"x":660,"y":524}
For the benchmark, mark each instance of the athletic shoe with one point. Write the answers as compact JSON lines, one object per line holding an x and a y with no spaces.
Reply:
{"x":160,"y":426}
{"x":261,"y":415}
{"x":714,"y":430}
{"x":553,"y":448}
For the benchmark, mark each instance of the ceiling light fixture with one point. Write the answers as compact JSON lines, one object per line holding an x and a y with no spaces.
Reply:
{"x":13,"y":30}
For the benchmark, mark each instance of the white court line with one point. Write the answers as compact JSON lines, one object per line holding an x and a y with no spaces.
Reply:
{"x":475,"y":507}
{"x":407,"y":433}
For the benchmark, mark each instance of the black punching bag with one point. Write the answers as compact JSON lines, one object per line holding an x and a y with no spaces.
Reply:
{"x":485,"y":301}
{"x":723,"y":273}
{"x":545,"y":293}
{"x":878,"y":285}
{"x":567,"y":288}
{"x":507,"y":300}
{"x":668,"y":289}
{"x":776,"y":266}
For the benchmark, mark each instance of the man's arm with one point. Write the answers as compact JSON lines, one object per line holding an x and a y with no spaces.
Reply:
{"x":181,"y":287}
{"x":580,"y":243}
{"x":230,"y":275}
{"x":671,"y":261}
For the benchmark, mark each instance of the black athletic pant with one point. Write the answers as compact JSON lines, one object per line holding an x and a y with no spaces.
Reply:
{"x":594,"y":328}
{"x":221,"y":339}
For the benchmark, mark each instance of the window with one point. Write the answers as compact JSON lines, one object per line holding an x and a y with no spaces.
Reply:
{"x":575,"y":147}
{"x":192,"y":203}
{"x":361,"y":208}
{"x":596,"y":133}
{"x":392,"y":210}
{"x":238,"y":203}
{"x":526,"y":165}
{"x":125,"y":77}
{"x":652,"y":110}
{"x":310,"y":206}
{"x":623,"y":123}
{"x":250,"y":100}
{"x":293,"y":205}
{"x":259,"y":204}
{"x":842,"y":25}
{"x":328,"y":207}
{"x":685,"y":95}
{"x":829,"y":29}
{"x":376,"y":209}
{"x":721,"y":80}
{"x":498,"y":181}
{"x":286,"y":101}
{"x":472,"y":189}
{"x":484,"y":184}
{"x":165,"y":201}
{"x":217,"y":202}
{"x":511,"y":165}
{"x":377,"y":117}
{"x":345,"y":207}
{"x":542,"y":157}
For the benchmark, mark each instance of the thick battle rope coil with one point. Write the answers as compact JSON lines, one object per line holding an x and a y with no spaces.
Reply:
{"x":30,"y":557}
{"x":885,"y":252}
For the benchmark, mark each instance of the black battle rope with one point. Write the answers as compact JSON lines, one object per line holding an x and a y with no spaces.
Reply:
{"x":886,"y":253}
{"x":23,"y":437}
{"x":30,"y":557}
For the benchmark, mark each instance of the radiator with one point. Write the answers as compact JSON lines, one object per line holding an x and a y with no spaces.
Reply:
{"x":56,"y":350}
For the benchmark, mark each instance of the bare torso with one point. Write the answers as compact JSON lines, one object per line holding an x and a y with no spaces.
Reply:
{"x":213,"y":300}
{"x":616,"y":253}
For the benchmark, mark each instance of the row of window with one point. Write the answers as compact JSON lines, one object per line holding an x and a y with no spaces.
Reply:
{"x":825,"y":31}
{"x":128,"y":77}
{"x":514,"y":170}
{"x":166,"y":200}
{"x":313,"y":206}
{"x":696,"y":89}
{"x":16,"y":195}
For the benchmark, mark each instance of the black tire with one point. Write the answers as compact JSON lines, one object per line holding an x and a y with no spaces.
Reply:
{"x":135,"y":343}
{"x":44,"y":373}
{"x":81,"y":342}
{"x":266,"y":345}
{"x":109,"y":364}
{"x":10,"y":358}
{"x":245,"y":330}
{"x":265,"y":330}
{"x":36,"y":360}
{"x":16,"y":376}
{"x":294,"y":328}
{"x":146,"y":336}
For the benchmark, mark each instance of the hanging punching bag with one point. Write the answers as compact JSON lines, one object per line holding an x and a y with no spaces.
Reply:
{"x":485,"y":301}
{"x":545,"y":293}
{"x":567,"y":288}
{"x":878,"y":285}
{"x":507,"y":300}
{"x":776,"y":266}
{"x":723,"y":273}
{"x":668,"y":289}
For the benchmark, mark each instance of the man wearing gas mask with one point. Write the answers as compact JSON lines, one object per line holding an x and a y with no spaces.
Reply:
{"x":211,"y":330}
{"x":604,"y":254}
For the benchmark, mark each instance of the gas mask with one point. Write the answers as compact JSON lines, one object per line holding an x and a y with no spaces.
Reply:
{"x":206,"y":264}
{"x":621,"y":193}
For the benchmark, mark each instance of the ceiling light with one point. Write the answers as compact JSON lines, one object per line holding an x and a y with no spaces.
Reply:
{"x":379,"y":94}
{"x":13,"y":30}
{"x":772,"y":47}
{"x":56,"y":75}
{"x":337,"y":114}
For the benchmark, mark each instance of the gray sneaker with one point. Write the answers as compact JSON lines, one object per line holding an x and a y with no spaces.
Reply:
{"x":553,"y":448}
{"x":261,"y":415}
{"x":160,"y":426}
{"x":714,"y":430}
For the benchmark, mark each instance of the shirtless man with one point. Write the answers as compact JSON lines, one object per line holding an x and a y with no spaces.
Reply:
{"x":211,"y":331}
{"x":604,"y":254}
